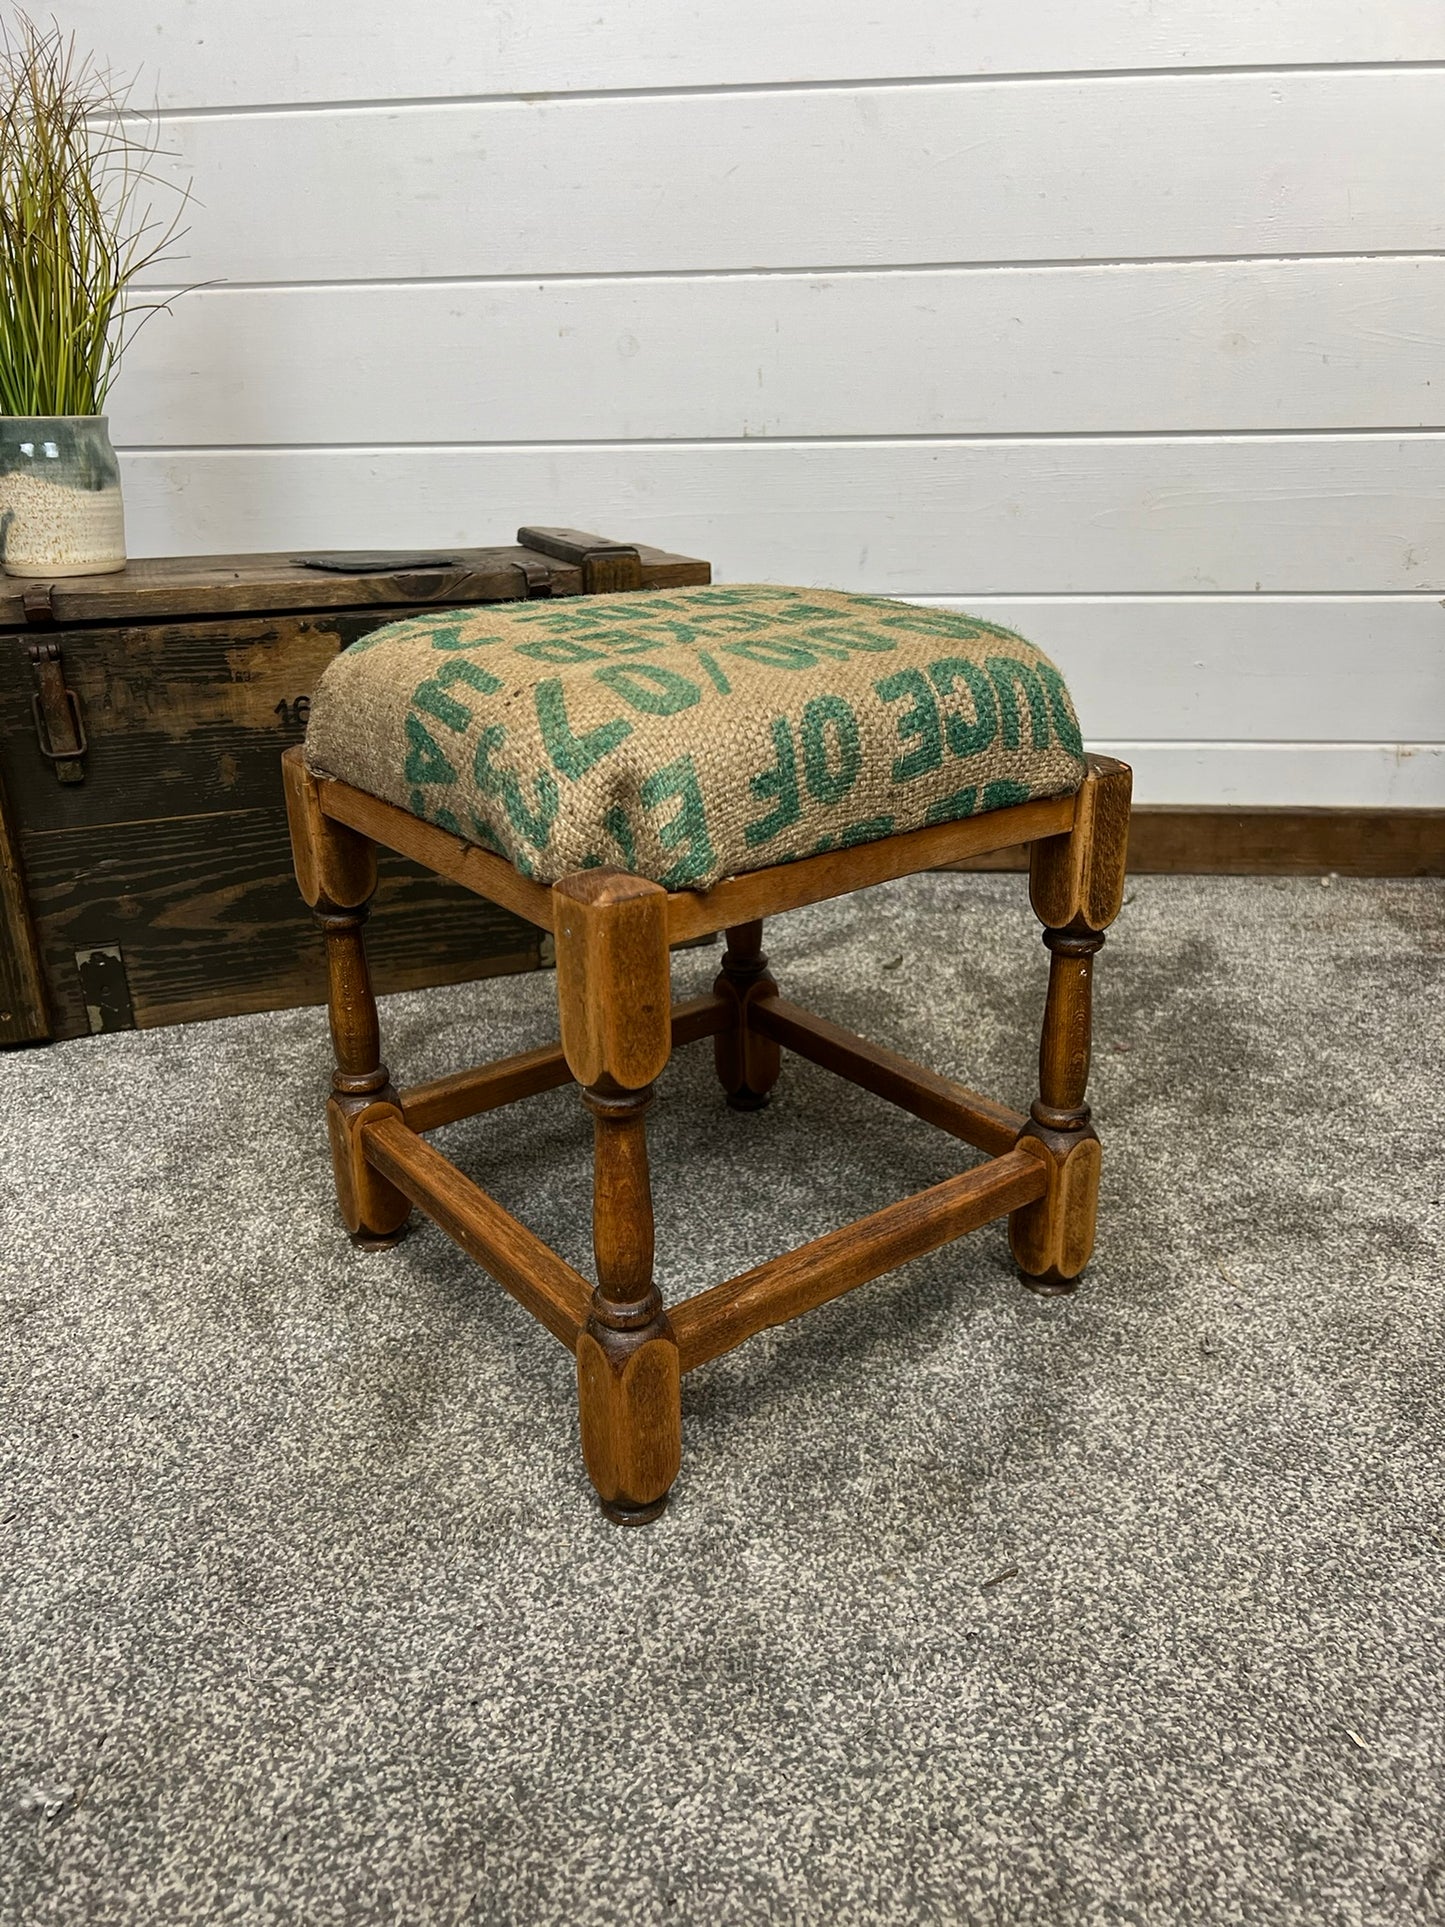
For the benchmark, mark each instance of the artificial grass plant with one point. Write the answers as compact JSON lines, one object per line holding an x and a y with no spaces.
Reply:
{"x":77,"y":228}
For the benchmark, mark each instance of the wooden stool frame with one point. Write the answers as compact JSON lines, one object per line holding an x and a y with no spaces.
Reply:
{"x":613,"y":933}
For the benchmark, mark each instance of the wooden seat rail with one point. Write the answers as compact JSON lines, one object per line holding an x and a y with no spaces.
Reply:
{"x":694,"y":913}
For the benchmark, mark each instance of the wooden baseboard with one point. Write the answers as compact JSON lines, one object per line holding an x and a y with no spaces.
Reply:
{"x":1230,"y":842}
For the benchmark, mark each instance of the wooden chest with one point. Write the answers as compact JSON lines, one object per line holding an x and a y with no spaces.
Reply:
{"x":145,"y":872}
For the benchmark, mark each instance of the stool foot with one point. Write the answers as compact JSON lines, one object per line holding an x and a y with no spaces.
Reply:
{"x":1050,"y":1284}
{"x":374,"y":1212}
{"x":629,"y":1393}
{"x":1053,"y":1238}
{"x":746,"y":1100}
{"x":378,"y":1240}
{"x":634,"y":1515}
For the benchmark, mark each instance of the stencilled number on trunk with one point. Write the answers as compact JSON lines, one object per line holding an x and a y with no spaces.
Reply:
{"x":295,"y":714}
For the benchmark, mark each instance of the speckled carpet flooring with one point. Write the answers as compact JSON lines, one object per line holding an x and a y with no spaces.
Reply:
{"x":970,"y":1607}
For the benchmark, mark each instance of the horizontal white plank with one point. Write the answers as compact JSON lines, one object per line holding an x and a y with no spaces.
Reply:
{"x":1293,"y":670}
{"x":211,"y":54}
{"x":1364,"y":776}
{"x":1240,"y":345}
{"x":1350,"y":512}
{"x":1345,"y":162}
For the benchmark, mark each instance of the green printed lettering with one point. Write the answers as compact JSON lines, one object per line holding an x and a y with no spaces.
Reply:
{"x":714,"y":596}
{"x":1004,"y":794}
{"x":572,"y":754}
{"x":448,"y":635}
{"x":649,"y":687}
{"x":951,"y":809}
{"x":620,"y":830}
{"x":1065,"y":728}
{"x":533,"y":823}
{"x":713,"y":669}
{"x":687,"y":831}
{"x":559,"y":649}
{"x":823,"y":716}
{"x":868,"y":831}
{"x":772,"y":653}
{"x":946,"y":624}
{"x":432,"y":696}
{"x":674,"y":630}
{"x":843,"y":639}
{"x":634,"y":640}
{"x":922,"y":721}
{"x":484,"y":834}
{"x":409,"y":630}
{"x":425,"y":762}
{"x":966,"y":739}
{"x":781,"y":781}
{"x":1006,"y":673}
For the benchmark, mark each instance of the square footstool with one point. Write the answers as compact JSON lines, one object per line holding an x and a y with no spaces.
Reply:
{"x":630,"y":772}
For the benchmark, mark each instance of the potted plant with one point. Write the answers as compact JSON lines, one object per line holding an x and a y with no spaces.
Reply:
{"x":76,"y":233}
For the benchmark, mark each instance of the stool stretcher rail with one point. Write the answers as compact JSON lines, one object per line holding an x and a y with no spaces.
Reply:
{"x":544,"y":1284}
{"x":426,"y":1107}
{"x":963,"y":1113}
{"x":770,"y":1294}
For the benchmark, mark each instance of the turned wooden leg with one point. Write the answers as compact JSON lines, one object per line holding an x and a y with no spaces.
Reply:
{"x":1052,"y":1238}
{"x":747,"y":1064}
{"x":1077,"y":886}
{"x":375,"y":1212}
{"x":614,"y":995}
{"x":336,"y":871}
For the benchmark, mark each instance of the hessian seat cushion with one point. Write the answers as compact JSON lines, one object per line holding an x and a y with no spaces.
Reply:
{"x":693,"y":734}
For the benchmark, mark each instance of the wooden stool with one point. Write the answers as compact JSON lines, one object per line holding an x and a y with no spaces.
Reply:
{"x":613,"y":931}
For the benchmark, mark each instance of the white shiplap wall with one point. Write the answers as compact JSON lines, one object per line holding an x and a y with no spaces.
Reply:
{"x":1123,"y":321}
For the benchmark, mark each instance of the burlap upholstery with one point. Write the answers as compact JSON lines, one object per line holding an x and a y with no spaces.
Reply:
{"x":695,"y":733}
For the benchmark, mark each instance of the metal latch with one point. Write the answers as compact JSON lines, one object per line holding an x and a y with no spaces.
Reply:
{"x":606,"y":566}
{"x":536,"y":578}
{"x":59,"y":725}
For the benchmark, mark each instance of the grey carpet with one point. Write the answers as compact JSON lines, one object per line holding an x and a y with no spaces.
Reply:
{"x":969,"y":1606}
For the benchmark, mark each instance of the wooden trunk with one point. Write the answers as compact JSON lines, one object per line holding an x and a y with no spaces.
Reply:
{"x":145,"y":868}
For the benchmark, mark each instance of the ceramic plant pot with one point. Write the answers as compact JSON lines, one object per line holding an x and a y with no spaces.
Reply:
{"x":60,"y":506}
